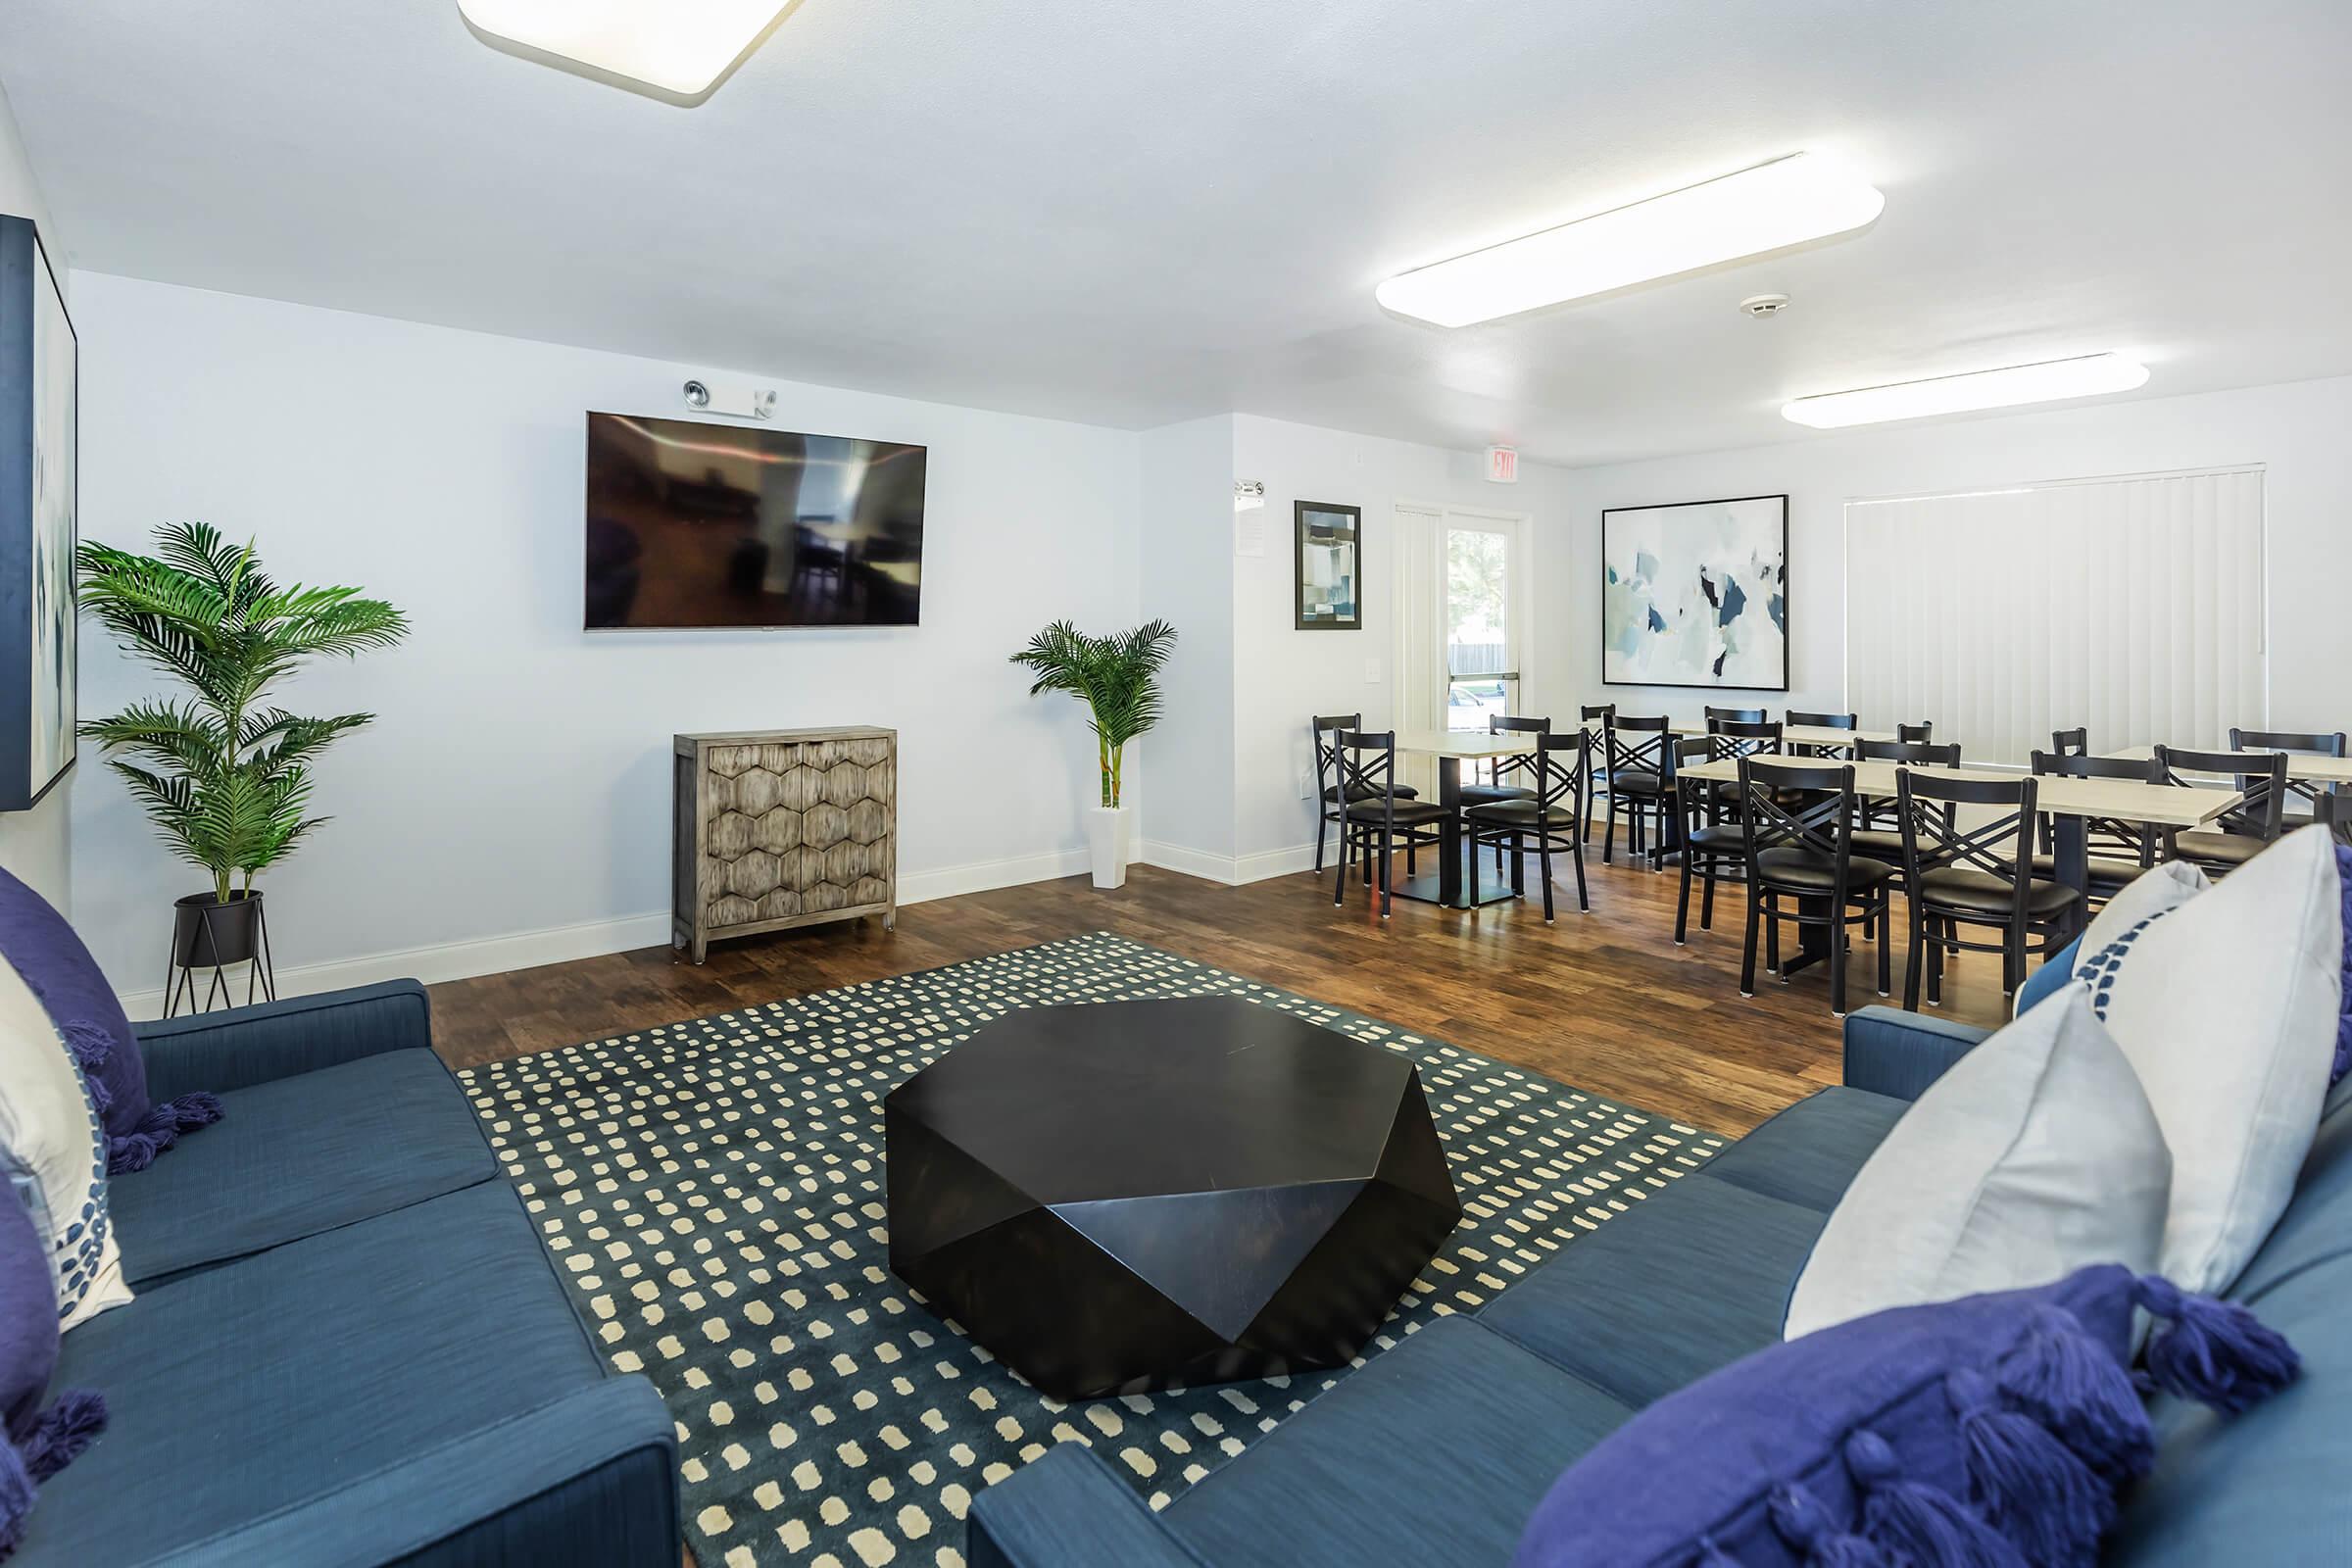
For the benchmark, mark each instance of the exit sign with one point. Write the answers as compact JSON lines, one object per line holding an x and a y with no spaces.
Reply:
{"x":1502,"y":465}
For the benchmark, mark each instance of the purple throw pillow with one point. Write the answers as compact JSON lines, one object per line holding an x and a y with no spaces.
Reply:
{"x":57,"y":969}
{"x":2344,"y":1024}
{"x":34,"y":1443}
{"x":1991,"y":1432}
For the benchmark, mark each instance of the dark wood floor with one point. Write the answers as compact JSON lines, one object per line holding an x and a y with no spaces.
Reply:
{"x":1604,"y":1001}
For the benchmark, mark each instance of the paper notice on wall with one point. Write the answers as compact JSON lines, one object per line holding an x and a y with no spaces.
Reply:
{"x":1250,"y":533}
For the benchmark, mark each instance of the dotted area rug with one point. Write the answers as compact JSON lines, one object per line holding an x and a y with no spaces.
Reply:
{"x":714,"y":1190}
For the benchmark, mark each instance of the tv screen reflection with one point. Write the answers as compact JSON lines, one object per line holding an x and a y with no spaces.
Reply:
{"x":693,"y":524}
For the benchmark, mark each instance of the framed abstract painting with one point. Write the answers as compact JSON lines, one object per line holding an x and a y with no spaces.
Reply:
{"x":1697,"y":594}
{"x":1330,"y":561}
{"x":37,"y":436}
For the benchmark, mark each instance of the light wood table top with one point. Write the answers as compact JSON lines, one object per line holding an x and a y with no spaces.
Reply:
{"x":2301,"y":766}
{"x":2121,"y":799}
{"x":1470,"y":743}
{"x":1790,"y":734}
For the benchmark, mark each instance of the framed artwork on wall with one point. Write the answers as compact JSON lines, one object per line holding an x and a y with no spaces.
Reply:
{"x":1330,"y":558}
{"x":1697,"y":594}
{"x":37,"y":436}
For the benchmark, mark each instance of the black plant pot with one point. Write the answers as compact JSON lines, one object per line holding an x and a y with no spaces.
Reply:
{"x":209,"y":935}
{"x":205,"y":932}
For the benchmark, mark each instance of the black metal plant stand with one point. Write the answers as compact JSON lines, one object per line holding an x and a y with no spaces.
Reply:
{"x":207,"y":934}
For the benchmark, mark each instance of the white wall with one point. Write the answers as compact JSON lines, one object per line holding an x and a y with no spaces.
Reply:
{"x":2301,"y":433}
{"x":1186,"y":559}
{"x":513,"y":797}
{"x":1282,"y":675}
{"x":35,"y":845}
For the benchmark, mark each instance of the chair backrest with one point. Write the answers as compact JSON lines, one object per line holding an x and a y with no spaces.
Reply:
{"x":2281,"y":740}
{"x":1818,"y":818}
{"x":1322,"y":727}
{"x":1506,"y":724}
{"x":1910,"y":754}
{"x":1368,"y":760}
{"x":1928,"y":805}
{"x":1564,"y":765}
{"x":1638,"y":743}
{"x":2109,"y":834}
{"x":2333,"y":811}
{"x":2069,"y":742}
{"x":2260,"y":775}
{"x":1919,"y":734}
{"x":1586,"y":715}
{"x":1735,"y":716}
{"x":1823,"y":721}
{"x":1734,"y":737}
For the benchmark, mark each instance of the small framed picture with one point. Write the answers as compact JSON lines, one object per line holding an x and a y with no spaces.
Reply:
{"x":1331,"y":567}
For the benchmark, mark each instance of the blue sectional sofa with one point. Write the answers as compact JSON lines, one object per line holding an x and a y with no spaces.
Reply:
{"x":348,"y":1345}
{"x":1437,"y":1453}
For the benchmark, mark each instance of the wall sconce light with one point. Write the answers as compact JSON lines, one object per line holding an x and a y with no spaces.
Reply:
{"x":1248,"y":494}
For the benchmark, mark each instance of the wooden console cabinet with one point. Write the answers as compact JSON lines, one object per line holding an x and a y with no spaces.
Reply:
{"x":778,"y":828}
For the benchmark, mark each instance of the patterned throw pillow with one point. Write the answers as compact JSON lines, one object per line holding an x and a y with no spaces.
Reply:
{"x":53,"y":961}
{"x":35,"y":1443}
{"x":1991,"y":1432}
{"x":2229,"y":1007}
{"x":53,"y":1155}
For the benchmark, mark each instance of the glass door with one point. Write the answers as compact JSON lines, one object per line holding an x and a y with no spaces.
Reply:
{"x":1482,"y":648}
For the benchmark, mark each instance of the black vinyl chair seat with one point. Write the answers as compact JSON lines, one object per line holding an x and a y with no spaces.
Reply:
{"x":1955,"y":887}
{"x":1528,"y":813}
{"x":1409,"y":814}
{"x":1635,"y":781}
{"x":1724,"y":838}
{"x":2222,"y":849}
{"x":1878,"y":843}
{"x":1804,"y":871}
{"x":1404,"y":792}
{"x":1487,"y":794}
{"x":2105,"y":870}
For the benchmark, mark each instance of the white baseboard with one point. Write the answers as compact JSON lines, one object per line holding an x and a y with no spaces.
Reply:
{"x":979,"y":876}
{"x":1231,"y":870}
{"x":528,"y":950}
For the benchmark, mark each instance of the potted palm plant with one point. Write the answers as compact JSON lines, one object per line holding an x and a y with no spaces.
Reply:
{"x":223,"y":775}
{"x":1117,"y":678}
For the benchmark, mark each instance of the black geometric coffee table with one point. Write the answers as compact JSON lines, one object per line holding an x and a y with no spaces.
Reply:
{"x":1124,"y":1196}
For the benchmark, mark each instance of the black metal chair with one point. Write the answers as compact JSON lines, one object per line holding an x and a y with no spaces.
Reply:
{"x":1710,"y":834}
{"x":1327,"y":778}
{"x":1975,"y":876}
{"x":1886,"y":842}
{"x":1733,"y":715}
{"x":1507,"y":777}
{"x":1640,"y":770}
{"x":1794,"y":717}
{"x":2120,"y":850}
{"x":1376,"y":817}
{"x":1922,"y":733}
{"x":1592,"y":721}
{"x":2335,"y":814}
{"x":2247,"y":828}
{"x":2069,"y":742}
{"x":2299,"y":793}
{"x":1554,"y":817}
{"x":1805,"y":852}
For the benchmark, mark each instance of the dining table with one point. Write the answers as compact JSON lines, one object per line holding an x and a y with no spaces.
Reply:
{"x":2071,"y":804}
{"x":2302,"y":767}
{"x":1449,"y":884}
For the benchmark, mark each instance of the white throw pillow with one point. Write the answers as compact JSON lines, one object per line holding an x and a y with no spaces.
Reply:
{"x":2034,"y":1155}
{"x":53,"y":1152}
{"x":2227,"y":1006}
{"x":2156,"y":892}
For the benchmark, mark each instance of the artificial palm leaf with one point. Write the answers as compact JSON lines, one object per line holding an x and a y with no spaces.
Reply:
{"x":1116,"y":677}
{"x":225,"y":780}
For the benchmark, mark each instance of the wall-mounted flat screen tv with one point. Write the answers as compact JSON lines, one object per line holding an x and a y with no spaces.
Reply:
{"x":693,"y":524}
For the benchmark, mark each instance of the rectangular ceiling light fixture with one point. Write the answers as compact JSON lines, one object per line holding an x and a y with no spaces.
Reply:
{"x":680,"y":48}
{"x":1786,"y":201}
{"x":2046,"y":382}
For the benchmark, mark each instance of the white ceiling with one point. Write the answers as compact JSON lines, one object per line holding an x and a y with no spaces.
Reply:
{"x":1132,"y":212}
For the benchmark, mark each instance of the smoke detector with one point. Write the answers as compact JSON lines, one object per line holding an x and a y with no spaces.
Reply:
{"x":1760,"y":306}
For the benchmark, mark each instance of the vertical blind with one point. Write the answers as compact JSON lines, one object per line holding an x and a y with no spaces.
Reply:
{"x":2133,"y":608}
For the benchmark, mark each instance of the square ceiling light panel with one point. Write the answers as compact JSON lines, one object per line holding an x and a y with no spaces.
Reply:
{"x":679,"y":48}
